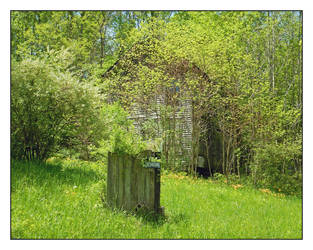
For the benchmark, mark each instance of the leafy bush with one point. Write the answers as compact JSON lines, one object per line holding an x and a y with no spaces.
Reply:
{"x":276,"y":167}
{"x":50,"y":109}
{"x":119,"y":134}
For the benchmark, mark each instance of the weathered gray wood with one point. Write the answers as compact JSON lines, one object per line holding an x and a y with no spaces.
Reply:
{"x":147,"y":188}
{"x":141,"y":185}
{"x":150,"y":188}
{"x":134,"y":182}
{"x":110,"y":181}
{"x":127,"y":183}
{"x":115,"y":179}
{"x":130,"y":185}
{"x":157,"y":190}
{"x":120,"y":195}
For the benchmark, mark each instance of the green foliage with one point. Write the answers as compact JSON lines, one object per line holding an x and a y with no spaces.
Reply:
{"x":276,"y":144}
{"x":276,"y":167}
{"x":50,"y":109}
{"x":119,"y":134}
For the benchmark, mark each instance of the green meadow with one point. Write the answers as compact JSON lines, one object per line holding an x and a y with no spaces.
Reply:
{"x":67,"y":200}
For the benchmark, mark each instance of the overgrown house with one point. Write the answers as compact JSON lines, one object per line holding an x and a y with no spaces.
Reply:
{"x":166,"y":110}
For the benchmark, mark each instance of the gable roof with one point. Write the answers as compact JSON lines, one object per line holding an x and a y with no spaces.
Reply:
{"x":183,"y":64}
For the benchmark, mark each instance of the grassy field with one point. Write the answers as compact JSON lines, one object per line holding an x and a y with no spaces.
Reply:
{"x":63,"y":200}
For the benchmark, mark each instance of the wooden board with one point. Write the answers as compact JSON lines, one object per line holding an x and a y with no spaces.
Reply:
{"x":129,"y":184}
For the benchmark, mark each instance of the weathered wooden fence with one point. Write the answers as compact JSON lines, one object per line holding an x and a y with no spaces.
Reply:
{"x":130,"y":185}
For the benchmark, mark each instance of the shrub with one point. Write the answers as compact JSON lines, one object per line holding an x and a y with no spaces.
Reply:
{"x":50,"y":109}
{"x":119,"y":134}
{"x":276,"y":166}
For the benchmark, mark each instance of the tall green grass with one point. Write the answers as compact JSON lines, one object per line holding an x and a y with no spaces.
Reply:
{"x":64,"y":200}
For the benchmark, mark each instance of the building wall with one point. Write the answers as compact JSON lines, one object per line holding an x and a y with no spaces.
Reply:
{"x":182,"y":122}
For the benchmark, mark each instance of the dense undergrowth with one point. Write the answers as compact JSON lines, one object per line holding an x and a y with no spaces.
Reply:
{"x":66,"y":200}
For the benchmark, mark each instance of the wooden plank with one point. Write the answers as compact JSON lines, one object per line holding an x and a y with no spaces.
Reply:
{"x":120,"y":196}
{"x":157,"y":189}
{"x":115,"y":179}
{"x":112,"y":179}
{"x":127,"y":184}
{"x":123,"y":180}
{"x":150,"y":182}
{"x":134,"y":183}
{"x":109,"y":180}
{"x":141,"y":184}
{"x":147,"y":187}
